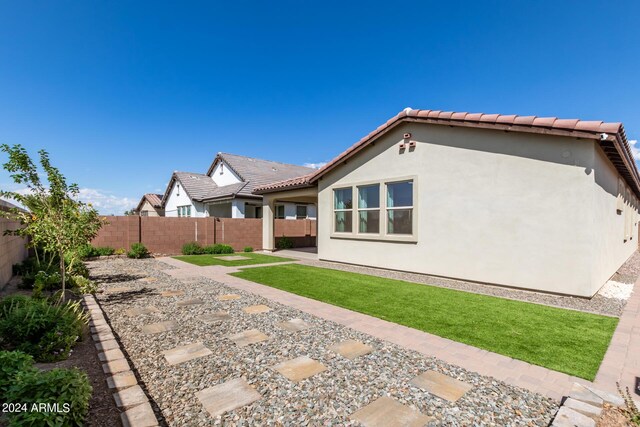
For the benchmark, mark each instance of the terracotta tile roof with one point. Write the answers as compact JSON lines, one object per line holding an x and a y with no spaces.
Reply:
{"x":154,"y":199}
{"x":615,"y":144}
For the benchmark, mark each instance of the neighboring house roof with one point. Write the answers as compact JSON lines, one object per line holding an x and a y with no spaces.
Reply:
{"x":254,"y":173}
{"x":615,"y":145}
{"x":154,"y":200}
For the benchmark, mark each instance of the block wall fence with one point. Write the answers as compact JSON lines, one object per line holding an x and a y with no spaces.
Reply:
{"x":13,"y":249}
{"x":164,"y":235}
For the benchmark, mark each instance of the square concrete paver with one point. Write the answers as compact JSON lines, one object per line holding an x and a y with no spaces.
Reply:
{"x":294,"y":325}
{"x":217,"y":316}
{"x":186,"y":352}
{"x":137,"y":311}
{"x":156,"y":328}
{"x":122,"y":380}
{"x":172,"y":293}
{"x":115,"y":366}
{"x":351,"y":349}
{"x":255,"y":309}
{"x":130,"y":396}
{"x":245,"y":338}
{"x":118,"y":290}
{"x":233,"y":258}
{"x":189,"y":302}
{"x":300,"y":368}
{"x":441,"y":385}
{"x":228,"y":297}
{"x":139,"y":416}
{"x":227,"y":396}
{"x":107,"y":345}
{"x":387,"y":412}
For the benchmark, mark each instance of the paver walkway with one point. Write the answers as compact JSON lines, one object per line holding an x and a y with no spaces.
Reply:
{"x":522,"y":374}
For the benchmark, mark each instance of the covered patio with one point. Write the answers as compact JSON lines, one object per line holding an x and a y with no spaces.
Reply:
{"x":272,"y":227}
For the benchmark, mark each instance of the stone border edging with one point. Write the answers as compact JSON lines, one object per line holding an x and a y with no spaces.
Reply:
{"x":129,"y":395}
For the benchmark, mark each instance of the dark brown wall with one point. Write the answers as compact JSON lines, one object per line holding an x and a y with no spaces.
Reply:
{"x":166,"y":235}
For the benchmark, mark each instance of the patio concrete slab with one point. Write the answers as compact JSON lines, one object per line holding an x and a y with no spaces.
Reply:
{"x":255,"y":309}
{"x":189,"y":302}
{"x":252,"y":336}
{"x":227,"y":396}
{"x":441,"y":385}
{"x":176,"y":293}
{"x":351,"y":349}
{"x":228,"y":297}
{"x":300,"y":368}
{"x":294,"y":325}
{"x":122,"y":379}
{"x":387,"y":412}
{"x":139,"y":416}
{"x":233,"y":258}
{"x":130,"y":396}
{"x":115,"y":366}
{"x":218,"y":316}
{"x":185,"y":353}
{"x":110,"y":355}
{"x":156,"y":328}
{"x":137,"y":311}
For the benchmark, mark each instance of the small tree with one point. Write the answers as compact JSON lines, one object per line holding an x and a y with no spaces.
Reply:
{"x":57,"y":222}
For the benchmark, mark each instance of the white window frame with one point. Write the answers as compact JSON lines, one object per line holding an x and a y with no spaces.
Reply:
{"x":383,"y":235}
{"x":184,"y":211}
{"x":359,"y":209}
{"x":387,"y":208}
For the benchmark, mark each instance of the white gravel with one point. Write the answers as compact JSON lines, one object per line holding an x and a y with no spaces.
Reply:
{"x":617,"y":290}
{"x":325,"y":399}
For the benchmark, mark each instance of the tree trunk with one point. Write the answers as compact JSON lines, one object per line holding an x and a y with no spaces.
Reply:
{"x":63,"y":276}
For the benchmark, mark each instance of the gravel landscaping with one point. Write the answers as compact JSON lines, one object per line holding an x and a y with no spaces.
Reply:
{"x":599,"y":304}
{"x":327,"y":398}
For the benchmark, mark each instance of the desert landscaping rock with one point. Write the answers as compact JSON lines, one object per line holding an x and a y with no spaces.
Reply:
{"x":351,"y":349}
{"x":387,"y":412}
{"x":130,"y":396}
{"x":245,"y":338}
{"x":328,"y":398}
{"x":189,"y":302}
{"x":228,"y":297}
{"x":122,"y":380}
{"x":185,"y":353}
{"x":294,"y":325}
{"x":300,"y":368}
{"x":115,"y":366}
{"x":138,"y":311}
{"x":256,"y":309}
{"x":111,"y":355}
{"x":139,"y":416}
{"x":156,"y":328}
{"x":227,"y":396}
{"x":172,"y":293}
{"x":218,"y":316}
{"x":441,"y":385}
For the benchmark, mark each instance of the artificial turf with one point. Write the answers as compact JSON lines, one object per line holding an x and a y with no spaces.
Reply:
{"x":563,"y":340}
{"x":205,"y":260}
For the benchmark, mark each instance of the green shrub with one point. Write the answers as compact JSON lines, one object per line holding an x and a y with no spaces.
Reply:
{"x":12,"y":362}
{"x":247,"y":249}
{"x":30,"y":268}
{"x":192,"y":248}
{"x":105,"y":251}
{"x":120,"y":251}
{"x":284,"y":243}
{"x":218,"y":248}
{"x":46,"y":282}
{"x":225,"y":249}
{"x":138,"y":250}
{"x":68,"y":388}
{"x":45,"y":331}
{"x":83,"y":286}
{"x":209,"y":249}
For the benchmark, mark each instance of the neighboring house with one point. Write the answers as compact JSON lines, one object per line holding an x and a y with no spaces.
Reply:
{"x":529,"y":202}
{"x":226,"y":190}
{"x":150,"y":205}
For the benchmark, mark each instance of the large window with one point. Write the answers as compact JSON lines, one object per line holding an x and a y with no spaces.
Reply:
{"x":280,"y":212}
{"x":301,"y":212}
{"x":342,"y":207}
{"x":400,"y":207}
{"x":369,"y":208}
{"x":184,"y":210}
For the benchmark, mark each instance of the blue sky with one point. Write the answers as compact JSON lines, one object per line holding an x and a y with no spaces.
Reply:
{"x":123,"y":93}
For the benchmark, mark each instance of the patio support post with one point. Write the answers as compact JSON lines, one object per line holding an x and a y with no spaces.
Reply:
{"x":267,"y":223}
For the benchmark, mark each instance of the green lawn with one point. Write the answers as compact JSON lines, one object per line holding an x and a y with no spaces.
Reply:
{"x":204,"y":260}
{"x":563,"y":340}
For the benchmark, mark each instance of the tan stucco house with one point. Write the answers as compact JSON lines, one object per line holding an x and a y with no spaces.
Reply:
{"x":150,"y":205}
{"x":521,"y":201}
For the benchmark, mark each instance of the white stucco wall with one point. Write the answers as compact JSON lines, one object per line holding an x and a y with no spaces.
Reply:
{"x":227,"y":177}
{"x":174,"y":200}
{"x":507,"y":208}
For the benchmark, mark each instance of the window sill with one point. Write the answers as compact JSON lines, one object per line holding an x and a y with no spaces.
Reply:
{"x":375,"y":237}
